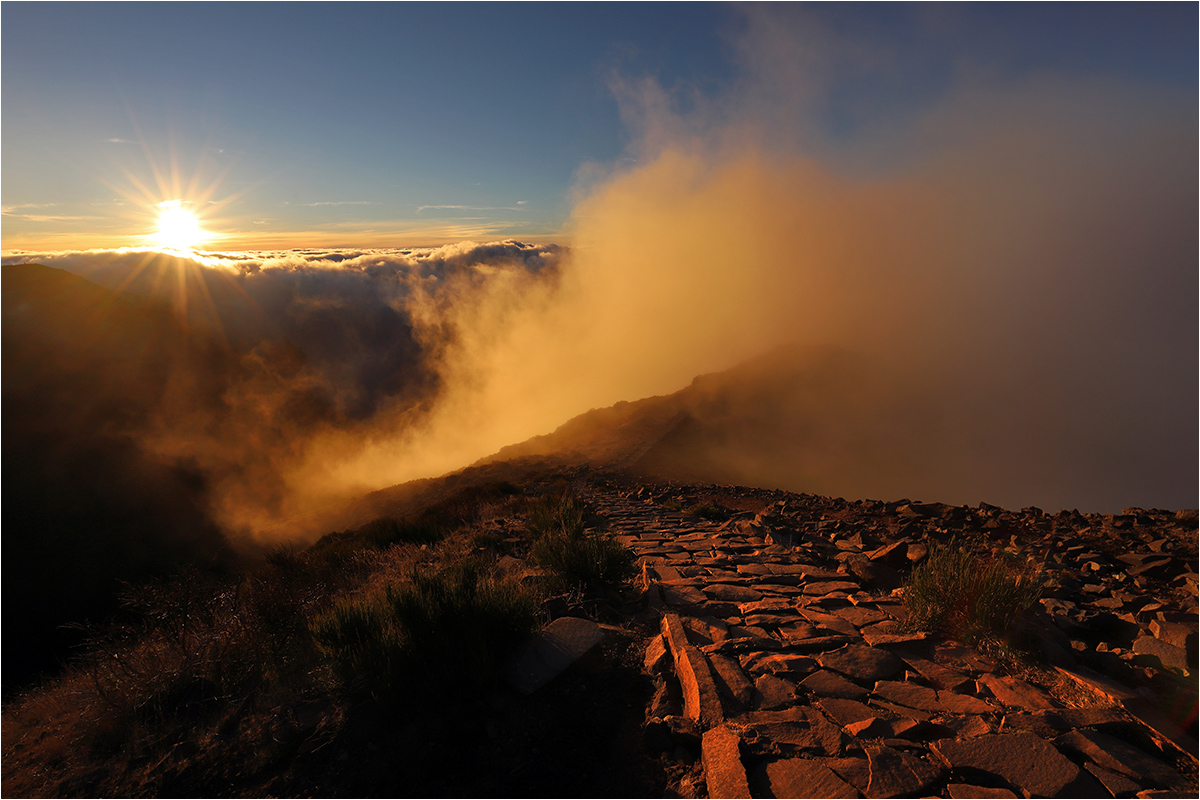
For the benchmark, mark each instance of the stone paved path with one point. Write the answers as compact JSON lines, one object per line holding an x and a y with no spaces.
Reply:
{"x":784,"y":656}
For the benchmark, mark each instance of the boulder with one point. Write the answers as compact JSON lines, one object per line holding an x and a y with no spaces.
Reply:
{"x":556,"y":647}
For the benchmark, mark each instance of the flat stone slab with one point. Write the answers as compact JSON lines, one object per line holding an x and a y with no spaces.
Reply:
{"x":862,"y":663}
{"x":802,"y":777}
{"x":559,"y":645}
{"x":897,"y":774}
{"x":1025,"y":760}
{"x":731,"y":593}
{"x":926,"y":699}
{"x":824,"y":683}
{"x":723,"y":769}
{"x":1016,"y":693}
{"x":1120,"y":756}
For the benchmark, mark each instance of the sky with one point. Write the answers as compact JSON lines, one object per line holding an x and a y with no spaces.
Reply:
{"x":288,"y":125}
{"x":474,"y":222}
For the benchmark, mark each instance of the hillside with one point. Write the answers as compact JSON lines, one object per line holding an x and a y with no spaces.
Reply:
{"x":759,"y":647}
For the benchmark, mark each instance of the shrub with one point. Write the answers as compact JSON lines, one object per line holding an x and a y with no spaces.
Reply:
{"x":440,"y":629}
{"x":960,"y":594}
{"x":709,"y":511}
{"x":576,"y":560}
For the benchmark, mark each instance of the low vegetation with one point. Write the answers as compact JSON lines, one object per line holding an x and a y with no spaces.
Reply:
{"x":958,"y":593}
{"x":401,"y":613}
{"x":576,"y":560}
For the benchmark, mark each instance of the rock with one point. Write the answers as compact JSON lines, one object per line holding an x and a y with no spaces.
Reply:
{"x":926,"y":699}
{"x":1119,"y":756}
{"x":778,"y":664}
{"x":731,"y":593}
{"x":732,"y":684}
{"x":862,"y":663}
{"x":939,"y":676}
{"x":1023,"y":759}
{"x":896,"y":774}
{"x":845,"y":712}
{"x":681,"y":595}
{"x":1016,"y":693}
{"x":968,"y":790}
{"x":723,"y":769}
{"x":873,"y":728}
{"x":1050,"y":723}
{"x":967,"y":726}
{"x":555,"y":648}
{"x":772,"y":692}
{"x":1115,"y":783}
{"x":1158,"y":652}
{"x":657,"y":657}
{"x":829,"y":684}
{"x":853,"y":770}
{"x":700,"y":699}
{"x":802,"y":777}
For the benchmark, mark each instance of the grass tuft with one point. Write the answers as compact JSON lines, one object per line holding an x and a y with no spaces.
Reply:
{"x":960,"y":594}
{"x":576,"y":560}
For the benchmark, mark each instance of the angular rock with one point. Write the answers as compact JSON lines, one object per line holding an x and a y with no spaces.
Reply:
{"x":1050,"y":723}
{"x":969,"y":791}
{"x":873,"y":728}
{"x":845,"y":712}
{"x":731,"y":593}
{"x":1170,"y":656}
{"x":802,"y":777}
{"x":724,"y":772}
{"x":853,"y":770}
{"x":1023,"y":759}
{"x":896,"y":774}
{"x":939,"y":676}
{"x":679,"y":595}
{"x":733,"y":686}
{"x":1016,"y":693}
{"x":700,"y":699}
{"x":824,"y":683}
{"x":1119,"y":756}
{"x":967,"y":726}
{"x":778,"y":664}
{"x":1115,"y":783}
{"x":926,"y":699}
{"x":862,"y":663}
{"x":556,"y":647}
{"x":657,"y":657}
{"x":772,"y":692}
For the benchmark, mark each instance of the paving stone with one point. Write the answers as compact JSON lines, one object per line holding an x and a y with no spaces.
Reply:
{"x":731,"y":593}
{"x":830,"y":587}
{"x":724,"y":773}
{"x":873,"y":728}
{"x":677,"y":595}
{"x":862,"y":663}
{"x":1025,"y":760}
{"x":968,"y":790}
{"x":967,"y":725}
{"x":1119,"y":756}
{"x":926,"y":699}
{"x":772,"y":692}
{"x":802,"y":777}
{"x":705,"y":630}
{"x":829,"y":684}
{"x":1050,"y":723}
{"x":939,"y":676}
{"x":896,"y":774}
{"x":733,"y":686}
{"x":854,"y":770}
{"x":779,"y":664}
{"x":845,"y":712}
{"x":829,"y":621}
{"x":1114,"y":782}
{"x":700,"y":699}
{"x":1016,"y":693}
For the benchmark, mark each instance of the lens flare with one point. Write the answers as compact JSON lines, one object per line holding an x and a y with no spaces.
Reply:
{"x":178,"y":228}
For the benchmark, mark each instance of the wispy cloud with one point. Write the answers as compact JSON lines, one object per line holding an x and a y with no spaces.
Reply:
{"x":473,"y":208}
{"x":338,"y":203}
{"x":15,"y":213}
{"x":118,"y":140}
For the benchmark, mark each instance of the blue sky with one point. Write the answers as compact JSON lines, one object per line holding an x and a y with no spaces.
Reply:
{"x":342,"y":124}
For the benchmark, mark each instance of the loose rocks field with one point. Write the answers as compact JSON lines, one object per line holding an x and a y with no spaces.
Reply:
{"x":784,"y":667}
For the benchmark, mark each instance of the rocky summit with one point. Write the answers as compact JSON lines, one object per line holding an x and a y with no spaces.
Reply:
{"x":784,"y":665}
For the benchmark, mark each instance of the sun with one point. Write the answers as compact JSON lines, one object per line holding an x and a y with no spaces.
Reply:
{"x":178,"y":228}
